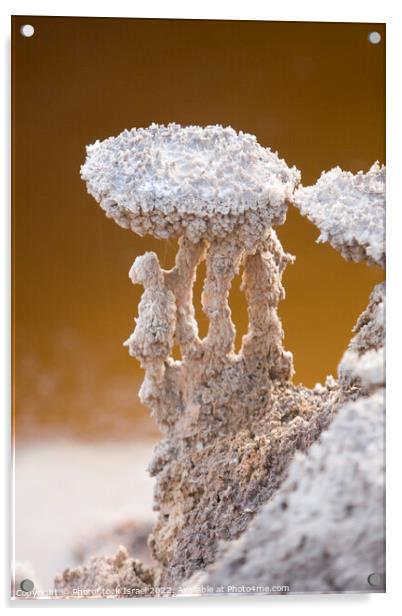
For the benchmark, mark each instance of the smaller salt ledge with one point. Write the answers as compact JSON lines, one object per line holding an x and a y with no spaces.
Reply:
{"x":349,"y":210}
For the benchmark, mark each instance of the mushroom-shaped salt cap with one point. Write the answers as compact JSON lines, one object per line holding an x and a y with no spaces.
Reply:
{"x":349,"y":210}
{"x":201,"y":183}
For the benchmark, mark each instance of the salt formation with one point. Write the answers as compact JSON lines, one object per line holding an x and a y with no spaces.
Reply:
{"x":224,"y":414}
{"x":220,"y":192}
{"x":234,"y":425}
{"x":349,"y":210}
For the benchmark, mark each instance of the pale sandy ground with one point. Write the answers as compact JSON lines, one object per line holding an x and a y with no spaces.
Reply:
{"x":66,"y":491}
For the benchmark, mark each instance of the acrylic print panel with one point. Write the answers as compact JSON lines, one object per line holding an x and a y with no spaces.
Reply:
{"x":242,"y":404}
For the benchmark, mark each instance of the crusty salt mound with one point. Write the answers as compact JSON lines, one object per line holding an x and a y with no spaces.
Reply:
{"x":349,"y":210}
{"x":323,"y":531}
{"x":192,"y":181}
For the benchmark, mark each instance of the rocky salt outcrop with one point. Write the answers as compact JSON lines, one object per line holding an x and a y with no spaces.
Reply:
{"x":324,"y":529}
{"x":211,"y":483}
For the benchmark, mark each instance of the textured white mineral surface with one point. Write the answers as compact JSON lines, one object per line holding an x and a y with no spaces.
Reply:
{"x":193,"y":181}
{"x":349,"y":210}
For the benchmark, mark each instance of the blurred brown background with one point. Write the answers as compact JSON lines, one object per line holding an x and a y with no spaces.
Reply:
{"x":312,"y":91}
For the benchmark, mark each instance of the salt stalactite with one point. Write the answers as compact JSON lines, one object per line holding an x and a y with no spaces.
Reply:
{"x":152,"y":340}
{"x":263,"y":289}
{"x":180,"y":280}
{"x":223,"y":262}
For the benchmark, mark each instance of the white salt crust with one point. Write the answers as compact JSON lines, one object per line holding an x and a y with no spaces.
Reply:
{"x":349,"y":210}
{"x":203,"y":183}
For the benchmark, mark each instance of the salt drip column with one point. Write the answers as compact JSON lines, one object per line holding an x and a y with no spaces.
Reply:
{"x":223,"y":261}
{"x":166,"y":316}
{"x":152,"y":340}
{"x":262,"y":286}
{"x":180,"y":280}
